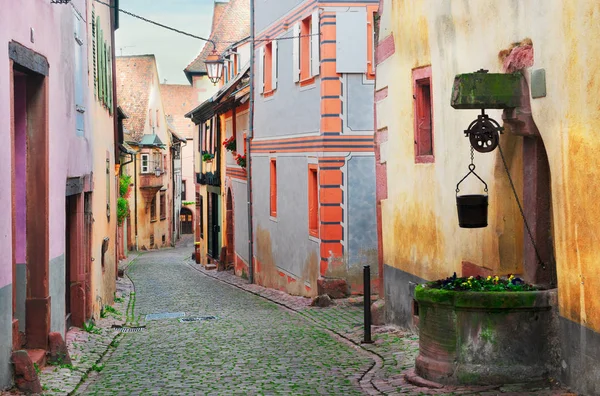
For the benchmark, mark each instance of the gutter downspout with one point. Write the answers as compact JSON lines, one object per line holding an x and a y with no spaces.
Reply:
{"x":135,"y":200}
{"x":248,"y":149}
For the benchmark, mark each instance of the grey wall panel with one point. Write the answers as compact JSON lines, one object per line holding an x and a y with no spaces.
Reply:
{"x":360,"y":100}
{"x":21,"y":295}
{"x":291,"y":109}
{"x":287,"y":237}
{"x":362,"y":214}
{"x":351,"y":37}
{"x":6,"y":336}
{"x":267,"y":12}
{"x":240,"y":211}
{"x":57,"y":294}
{"x":398,"y":289}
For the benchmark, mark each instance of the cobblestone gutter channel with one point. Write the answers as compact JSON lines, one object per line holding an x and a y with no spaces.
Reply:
{"x":88,"y":348}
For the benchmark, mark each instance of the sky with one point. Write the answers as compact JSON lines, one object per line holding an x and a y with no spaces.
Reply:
{"x":173,"y":51}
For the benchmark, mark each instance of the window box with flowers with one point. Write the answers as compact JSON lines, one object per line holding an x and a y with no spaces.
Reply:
{"x":241,"y":160}
{"x":484,"y":330}
{"x":230,"y":144}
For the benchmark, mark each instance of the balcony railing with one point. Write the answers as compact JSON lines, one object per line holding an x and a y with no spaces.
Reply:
{"x":209,"y":178}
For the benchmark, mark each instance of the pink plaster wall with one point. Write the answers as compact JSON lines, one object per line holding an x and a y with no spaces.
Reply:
{"x":52,"y":26}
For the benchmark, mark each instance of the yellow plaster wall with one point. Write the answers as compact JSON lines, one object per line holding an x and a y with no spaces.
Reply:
{"x":420,"y":229}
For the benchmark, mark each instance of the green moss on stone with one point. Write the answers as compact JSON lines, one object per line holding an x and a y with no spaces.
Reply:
{"x":486,"y":91}
{"x":438,"y":296}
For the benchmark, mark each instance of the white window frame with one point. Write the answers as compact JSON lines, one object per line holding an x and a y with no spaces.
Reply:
{"x":146,"y":158}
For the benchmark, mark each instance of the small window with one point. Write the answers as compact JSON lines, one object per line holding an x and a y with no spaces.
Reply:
{"x":313,"y":201}
{"x":157,"y":119}
{"x":270,"y":67}
{"x":150,"y":118}
{"x":273,"y":187}
{"x":145,"y":163}
{"x":305,"y":48}
{"x":153,"y":209}
{"x":163,"y":205}
{"x":423,"y":115}
{"x":372,"y":29}
{"x":183,"y":190}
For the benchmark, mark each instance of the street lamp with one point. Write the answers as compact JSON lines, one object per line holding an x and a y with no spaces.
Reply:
{"x":214,"y":67}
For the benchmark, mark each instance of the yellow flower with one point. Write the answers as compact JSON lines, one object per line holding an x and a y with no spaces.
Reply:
{"x":464,"y":284}
{"x":496,"y":279}
{"x":511,"y":277}
{"x":470,"y":277}
{"x":489,"y":277}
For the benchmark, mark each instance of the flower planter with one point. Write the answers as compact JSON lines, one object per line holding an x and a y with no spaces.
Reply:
{"x":484,"y":337}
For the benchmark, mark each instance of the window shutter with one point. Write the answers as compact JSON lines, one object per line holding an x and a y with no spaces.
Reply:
{"x":94,"y":62}
{"x":351,"y":41}
{"x":261,"y":70}
{"x":109,"y":79}
{"x":101,"y":63}
{"x":315,"y":43}
{"x":104,"y":90}
{"x":296,"y":51}
{"x":274,"y":64}
{"x":98,"y":59}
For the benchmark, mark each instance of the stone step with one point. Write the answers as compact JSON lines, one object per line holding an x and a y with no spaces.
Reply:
{"x":37,"y":356}
{"x":210,"y":266}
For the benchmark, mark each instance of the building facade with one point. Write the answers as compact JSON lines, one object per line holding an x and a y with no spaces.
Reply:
{"x":230,"y":31}
{"x":177,"y":101}
{"x":58,"y":114}
{"x":146,"y":131}
{"x":223,"y":123}
{"x":548,"y":144}
{"x":313,"y":167}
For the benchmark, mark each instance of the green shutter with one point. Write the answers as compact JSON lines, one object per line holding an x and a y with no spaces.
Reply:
{"x":98,"y":59}
{"x":94,"y":53}
{"x":109,"y":79}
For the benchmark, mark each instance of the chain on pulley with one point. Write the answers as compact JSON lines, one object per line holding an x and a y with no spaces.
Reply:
{"x":484,"y":133}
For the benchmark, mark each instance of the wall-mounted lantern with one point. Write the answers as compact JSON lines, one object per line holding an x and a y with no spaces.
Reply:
{"x":214,"y":67}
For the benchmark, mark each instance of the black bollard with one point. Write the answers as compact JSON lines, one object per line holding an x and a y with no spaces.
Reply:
{"x":367,"y":303}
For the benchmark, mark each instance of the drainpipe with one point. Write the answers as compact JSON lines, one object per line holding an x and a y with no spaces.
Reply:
{"x":248,"y":149}
{"x":135,"y":200}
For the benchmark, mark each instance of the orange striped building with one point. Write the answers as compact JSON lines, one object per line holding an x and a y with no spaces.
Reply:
{"x":313,"y":165}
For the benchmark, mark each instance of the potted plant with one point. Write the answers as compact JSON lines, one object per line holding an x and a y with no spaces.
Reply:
{"x":240,"y":160}
{"x":230,"y":144}
{"x":207,"y":157}
{"x":484,"y":330}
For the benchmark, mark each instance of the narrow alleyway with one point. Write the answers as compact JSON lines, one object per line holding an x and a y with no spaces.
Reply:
{"x":253,"y":346}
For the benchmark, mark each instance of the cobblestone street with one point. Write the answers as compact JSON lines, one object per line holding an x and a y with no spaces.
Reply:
{"x":253,"y":347}
{"x":261,"y":341}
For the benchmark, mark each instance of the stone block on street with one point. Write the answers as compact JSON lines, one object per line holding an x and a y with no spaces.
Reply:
{"x":26,"y":378}
{"x":378,"y":313}
{"x":335,"y":288}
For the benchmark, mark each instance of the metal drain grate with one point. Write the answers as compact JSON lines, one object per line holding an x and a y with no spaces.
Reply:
{"x":197,"y":319}
{"x":130,"y":329}
{"x":168,"y":315}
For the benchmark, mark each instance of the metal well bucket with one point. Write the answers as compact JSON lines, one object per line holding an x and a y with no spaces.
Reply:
{"x":472,"y":210}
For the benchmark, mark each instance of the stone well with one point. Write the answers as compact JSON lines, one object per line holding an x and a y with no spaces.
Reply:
{"x":485,"y":337}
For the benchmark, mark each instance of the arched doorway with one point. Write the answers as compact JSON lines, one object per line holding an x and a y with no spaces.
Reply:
{"x":187,"y":223}
{"x":229,"y":235}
